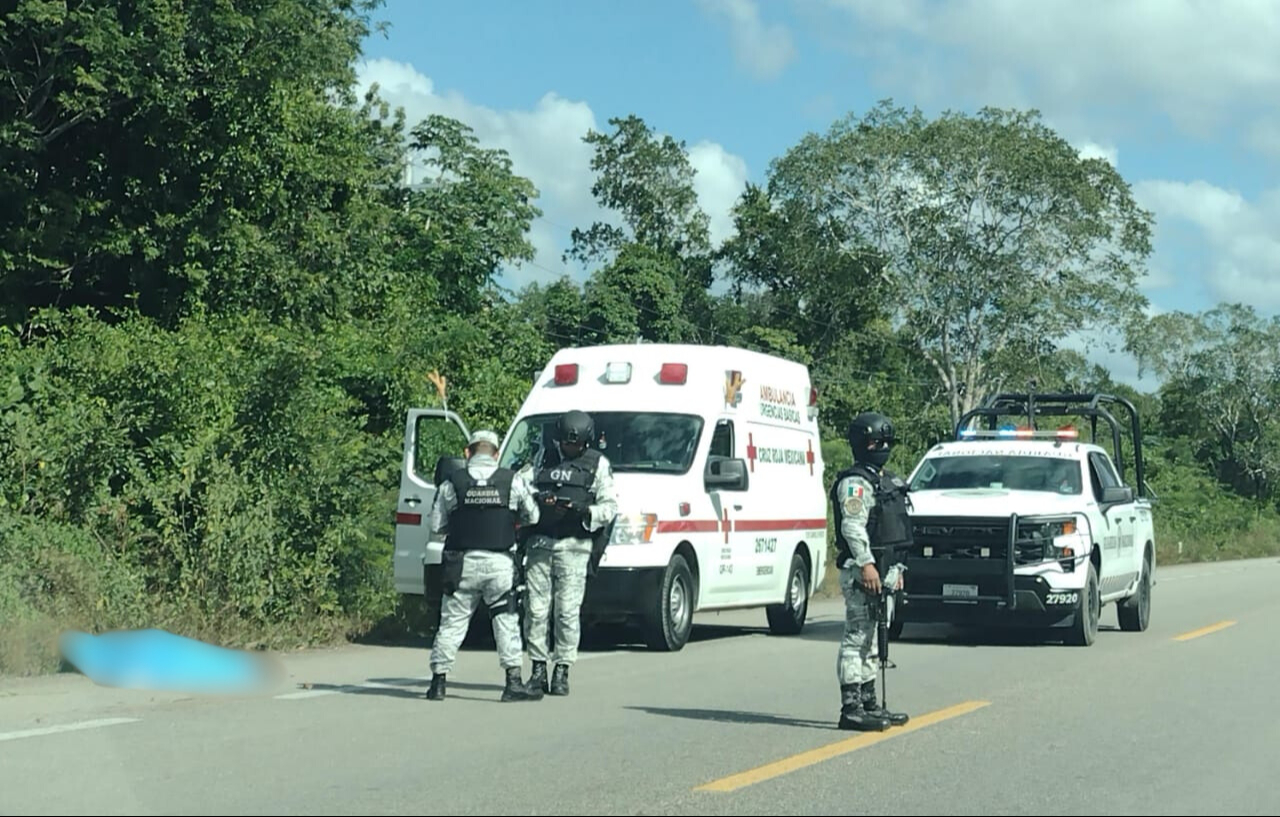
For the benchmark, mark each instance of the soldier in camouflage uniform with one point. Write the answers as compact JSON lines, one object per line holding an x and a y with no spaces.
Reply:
{"x":869,"y":505}
{"x":578,"y":499}
{"x":477,"y":507}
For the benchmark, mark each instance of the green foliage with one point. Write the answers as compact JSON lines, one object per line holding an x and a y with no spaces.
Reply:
{"x":219,"y":302}
{"x":992,"y":234}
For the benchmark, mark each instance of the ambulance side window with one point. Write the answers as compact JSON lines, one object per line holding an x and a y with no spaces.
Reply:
{"x":722,"y":440}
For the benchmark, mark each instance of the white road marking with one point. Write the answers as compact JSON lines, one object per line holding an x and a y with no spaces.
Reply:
{"x":64,"y":727}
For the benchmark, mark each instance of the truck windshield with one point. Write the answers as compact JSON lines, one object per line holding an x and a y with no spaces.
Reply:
{"x":1015,"y":473}
{"x":631,"y":440}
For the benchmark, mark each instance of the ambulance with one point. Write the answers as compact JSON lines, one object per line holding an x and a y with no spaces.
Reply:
{"x":718,"y":470}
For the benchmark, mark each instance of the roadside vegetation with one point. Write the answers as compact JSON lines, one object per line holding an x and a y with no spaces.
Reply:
{"x":217,"y":300}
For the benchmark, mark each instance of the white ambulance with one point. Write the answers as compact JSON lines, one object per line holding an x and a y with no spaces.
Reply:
{"x":718,"y":469}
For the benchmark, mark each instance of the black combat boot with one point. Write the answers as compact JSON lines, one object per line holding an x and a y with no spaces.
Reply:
{"x":852,"y":715}
{"x":560,"y":681}
{"x":436,"y":693}
{"x":537,"y":685}
{"x":872,"y":707}
{"x":515,"y":689}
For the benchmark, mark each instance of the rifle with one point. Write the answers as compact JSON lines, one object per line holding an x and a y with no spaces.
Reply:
{"x":599,"y":541}
{"x":883,"y":612}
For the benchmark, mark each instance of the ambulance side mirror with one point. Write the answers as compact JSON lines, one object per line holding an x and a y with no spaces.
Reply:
{"x":726,"y":474}
{"x":445,"y":466}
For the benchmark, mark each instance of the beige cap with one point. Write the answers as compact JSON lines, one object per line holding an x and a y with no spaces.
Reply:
{"x":485,"y":437}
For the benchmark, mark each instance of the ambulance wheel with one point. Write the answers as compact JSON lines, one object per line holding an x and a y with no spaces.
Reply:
{"x":669,"y":622}
{"x":788,"y":618}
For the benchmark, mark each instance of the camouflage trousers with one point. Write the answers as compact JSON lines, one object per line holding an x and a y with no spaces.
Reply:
{"x":486,"y":576}
{"x":562,"y":573}
{"x":855,"y":663}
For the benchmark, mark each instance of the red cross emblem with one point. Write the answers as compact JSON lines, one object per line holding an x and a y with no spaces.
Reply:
{"x":751,"y":451}
{"x":809,"y":457}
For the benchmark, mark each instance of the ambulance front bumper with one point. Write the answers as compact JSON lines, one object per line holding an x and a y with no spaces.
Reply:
{"x":622,"y":592}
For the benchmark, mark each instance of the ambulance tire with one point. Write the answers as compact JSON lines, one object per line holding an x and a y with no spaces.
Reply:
{"x":788,"y":618}
{"x":665,"y":629}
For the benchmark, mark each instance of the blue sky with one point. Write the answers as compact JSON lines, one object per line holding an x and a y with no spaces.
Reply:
{"x":1178,"y":94}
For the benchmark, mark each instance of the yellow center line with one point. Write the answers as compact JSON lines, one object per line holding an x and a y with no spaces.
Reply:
{"x":1212,"y":628}
{"x":809,"y":758}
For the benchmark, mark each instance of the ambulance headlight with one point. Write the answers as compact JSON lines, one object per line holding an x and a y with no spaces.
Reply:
{"x":634,"y":529}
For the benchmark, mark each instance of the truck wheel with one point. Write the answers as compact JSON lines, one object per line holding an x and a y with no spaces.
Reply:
{"x":669,"y":622}
{"x":788,"y":618}
{"x":1135,"y":612}
{"x":1084,"y":629}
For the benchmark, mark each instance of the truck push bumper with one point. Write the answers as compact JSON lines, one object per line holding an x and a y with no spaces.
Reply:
{"x":970,"y":578}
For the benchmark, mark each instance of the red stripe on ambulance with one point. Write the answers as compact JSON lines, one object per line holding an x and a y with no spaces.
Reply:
{"x":711,"y":526}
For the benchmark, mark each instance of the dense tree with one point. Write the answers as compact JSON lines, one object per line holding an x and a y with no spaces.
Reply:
{"x":993,"y":234}
{"x":219,"y":300}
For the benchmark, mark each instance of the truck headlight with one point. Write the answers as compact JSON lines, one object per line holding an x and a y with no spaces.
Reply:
{"x":1054,"y":539}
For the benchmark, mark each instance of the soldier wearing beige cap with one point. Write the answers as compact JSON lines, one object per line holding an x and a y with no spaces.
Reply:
{"x":476,"y":509}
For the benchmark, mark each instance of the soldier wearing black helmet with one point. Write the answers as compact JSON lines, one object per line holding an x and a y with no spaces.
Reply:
{"x":871,"y":522}
{"x":577,"y":498}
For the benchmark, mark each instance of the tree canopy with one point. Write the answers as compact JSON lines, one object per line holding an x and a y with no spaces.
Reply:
{"x":219,"y":299}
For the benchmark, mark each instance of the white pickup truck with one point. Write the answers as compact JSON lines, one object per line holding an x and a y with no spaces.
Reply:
{"x":1026,"y":527}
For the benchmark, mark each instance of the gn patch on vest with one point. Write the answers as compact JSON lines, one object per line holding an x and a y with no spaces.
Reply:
{"x":570,"y":481}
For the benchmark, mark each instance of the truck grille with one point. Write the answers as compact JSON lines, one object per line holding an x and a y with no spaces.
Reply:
{"x":960,"y":538}
{"x":966,"y":537}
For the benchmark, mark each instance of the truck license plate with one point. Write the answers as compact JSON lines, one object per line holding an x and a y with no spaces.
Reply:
{"x":960,"y":591}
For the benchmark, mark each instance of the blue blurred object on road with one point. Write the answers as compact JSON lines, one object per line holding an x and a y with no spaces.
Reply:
{"x":159,"y":660}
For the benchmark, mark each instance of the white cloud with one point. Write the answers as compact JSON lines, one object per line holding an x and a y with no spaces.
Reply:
{"x":763,"y":50}
{"x":1243,"y":237}
{"x":1092,"y":150}
{"x":720,"y":179}
{"x":1200,"y":64}
{"x":545,"y":144}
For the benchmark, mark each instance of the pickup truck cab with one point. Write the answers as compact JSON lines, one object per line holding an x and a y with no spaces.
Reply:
{"x":1015,"y":525}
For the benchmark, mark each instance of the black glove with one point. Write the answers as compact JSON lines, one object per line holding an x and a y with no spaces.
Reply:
{"x":545,"y":497}
{"x":578,"y":509}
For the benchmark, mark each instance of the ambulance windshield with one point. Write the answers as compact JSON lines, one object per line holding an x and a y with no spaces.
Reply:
{"x":633,"y":441}
{"x":1012,"y":473}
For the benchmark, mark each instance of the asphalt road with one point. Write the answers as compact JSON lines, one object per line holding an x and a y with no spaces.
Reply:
{"x":738,"y":722}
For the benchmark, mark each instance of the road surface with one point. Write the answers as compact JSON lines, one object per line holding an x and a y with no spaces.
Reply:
{"x":1180,"y":719}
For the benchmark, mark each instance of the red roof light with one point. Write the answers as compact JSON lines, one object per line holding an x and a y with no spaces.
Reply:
{"x":566,"y":374}
{"x":674,"y":373}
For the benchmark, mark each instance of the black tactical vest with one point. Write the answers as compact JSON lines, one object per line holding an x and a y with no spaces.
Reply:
{"x":888,"y":525}
{"x":483,"y":519}
{"x":571,"y":480}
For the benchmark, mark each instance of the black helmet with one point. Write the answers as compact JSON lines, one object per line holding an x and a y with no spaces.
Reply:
{"x":871,"y":427}
{"x":576,"y":427}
